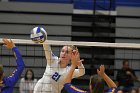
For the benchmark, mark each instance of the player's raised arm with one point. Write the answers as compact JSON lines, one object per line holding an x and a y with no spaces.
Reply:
{"x":101,"y":72}
{"x":74,"y":62}
{"x":67,"y":81}
{"x":81,"y":69}
{"x":48,"y":53}
{"x":20,"y":64}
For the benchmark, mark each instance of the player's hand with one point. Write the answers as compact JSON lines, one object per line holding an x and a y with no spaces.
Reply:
{"x":74,"y":57}
{"x":8,"y":43}
{"x":79,"y":63}
{"x":101,"y":70}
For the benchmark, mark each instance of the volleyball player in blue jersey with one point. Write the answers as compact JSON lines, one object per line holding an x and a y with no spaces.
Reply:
{"x":96,"y":84}
{"x":7,"y":83}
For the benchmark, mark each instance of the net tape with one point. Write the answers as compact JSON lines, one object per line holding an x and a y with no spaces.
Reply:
{"x":79,"y":43}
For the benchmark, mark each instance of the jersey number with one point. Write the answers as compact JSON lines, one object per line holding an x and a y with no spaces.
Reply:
{"x":56,"y":76}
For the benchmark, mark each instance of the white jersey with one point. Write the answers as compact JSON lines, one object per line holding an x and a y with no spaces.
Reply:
{"x":53,"y":78}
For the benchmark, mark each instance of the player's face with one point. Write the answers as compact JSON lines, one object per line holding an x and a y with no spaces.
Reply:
{"x":65,"y":55}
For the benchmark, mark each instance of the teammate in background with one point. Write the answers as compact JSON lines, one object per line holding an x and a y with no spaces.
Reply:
{"x":56,"y":70}
{"x":7,"y":83}
{"x":96,"y":84}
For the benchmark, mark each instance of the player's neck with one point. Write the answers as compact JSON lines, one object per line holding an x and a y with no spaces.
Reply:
{"x":62,"y":66}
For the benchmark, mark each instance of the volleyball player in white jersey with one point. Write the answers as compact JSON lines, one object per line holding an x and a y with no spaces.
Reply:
{"x":56,"y":70}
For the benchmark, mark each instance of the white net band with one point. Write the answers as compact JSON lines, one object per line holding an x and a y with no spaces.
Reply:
{"x":78,"y":43}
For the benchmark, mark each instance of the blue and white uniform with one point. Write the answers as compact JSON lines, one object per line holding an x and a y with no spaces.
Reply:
{"x":53,"y":78}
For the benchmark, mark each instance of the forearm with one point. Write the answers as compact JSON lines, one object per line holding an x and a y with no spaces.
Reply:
{"x":81,"y":69}
{"x":68,"y":77}
{"x":79,"y":72}
{"x":109,"y":81}
{"x":20,"y":67}
{"x":19,"y":60}
{"x":48,"y":53}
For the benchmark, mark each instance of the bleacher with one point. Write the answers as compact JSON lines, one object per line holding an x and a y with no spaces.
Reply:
{"x":61,"y":23}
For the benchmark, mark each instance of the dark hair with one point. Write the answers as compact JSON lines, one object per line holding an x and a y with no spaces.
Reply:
{"x":125,"y":61}
{"x":97,"y":84}
{"x":27,"y":72}
{"x":1,"y":71}
{"x":133,"y":89}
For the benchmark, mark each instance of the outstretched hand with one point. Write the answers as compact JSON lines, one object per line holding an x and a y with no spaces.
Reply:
{"x":101,"y":70}
{"x":75,"y":57}
{"x":8,"y":43}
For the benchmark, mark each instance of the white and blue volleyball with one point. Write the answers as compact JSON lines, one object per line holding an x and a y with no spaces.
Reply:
{"x":38,"y":35}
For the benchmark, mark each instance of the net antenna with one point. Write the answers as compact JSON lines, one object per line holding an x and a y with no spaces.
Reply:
{"x":79,"y":43}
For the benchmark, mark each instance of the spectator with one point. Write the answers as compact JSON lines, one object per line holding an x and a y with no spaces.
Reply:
{"x":126,"y":77}
{"x":133,"y":90}
{"x":28,"y":82}
{"x":120,"y":91}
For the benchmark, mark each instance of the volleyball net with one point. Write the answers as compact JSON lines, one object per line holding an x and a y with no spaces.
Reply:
{"x":77,"y":43}
{"x":93,"y":53}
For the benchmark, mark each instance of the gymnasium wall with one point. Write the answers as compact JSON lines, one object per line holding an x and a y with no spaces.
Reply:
{"x":128,"y":31}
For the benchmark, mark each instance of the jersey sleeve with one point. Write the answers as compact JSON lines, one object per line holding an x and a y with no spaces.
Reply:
{"x":20,"y":67}
{"x":112,"y":90}
{"x":79,"y":72}
{"x":48,"y":54}
{"x":72,"y":89}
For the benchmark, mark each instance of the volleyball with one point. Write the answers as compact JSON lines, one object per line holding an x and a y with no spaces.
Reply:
{"x":38,"y":35}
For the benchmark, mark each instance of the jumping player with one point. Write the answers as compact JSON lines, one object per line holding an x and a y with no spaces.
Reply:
{"x":96,"y":84}
{"x":56,"y":70}
{"x":7,"y":83}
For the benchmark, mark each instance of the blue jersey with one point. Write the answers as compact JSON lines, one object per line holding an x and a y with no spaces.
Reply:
{"x":7,"y":84}
{"x":72,"y":89}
